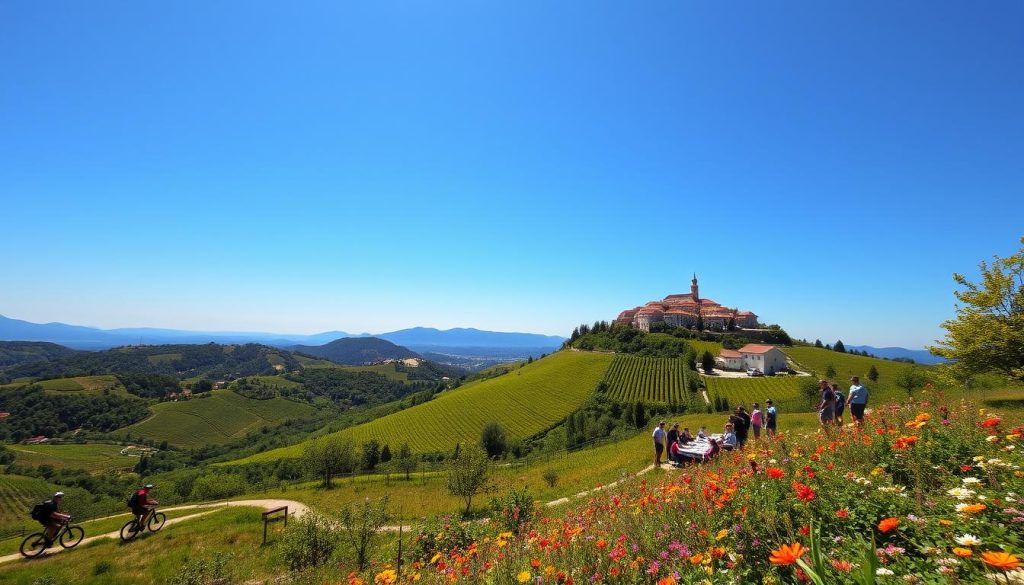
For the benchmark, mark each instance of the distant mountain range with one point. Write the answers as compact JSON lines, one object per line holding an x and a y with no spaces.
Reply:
{"x":920,"y":356}
{"x":416,"y":338}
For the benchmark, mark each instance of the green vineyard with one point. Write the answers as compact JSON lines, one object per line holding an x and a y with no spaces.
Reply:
{"x":784,"y":390}
{"x":647,"y":379}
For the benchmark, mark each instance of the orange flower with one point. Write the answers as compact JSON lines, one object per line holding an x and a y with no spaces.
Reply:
{"x":962,"y":552}
{"x":697,"y":558}
{"x":888,"y":524}
{"x":787,"y":554}
{"x":775,"y":472}
{"x":974,"y":508}
{"x":844,"y":513}
{"x":601,"y":544}
{"x":1000,"y":560}
{"x":670,"y":580}
{"x":843,"y":566}
{"x":803,"y":492}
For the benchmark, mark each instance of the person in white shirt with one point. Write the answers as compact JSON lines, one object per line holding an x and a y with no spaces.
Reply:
{"x":659,"y":442}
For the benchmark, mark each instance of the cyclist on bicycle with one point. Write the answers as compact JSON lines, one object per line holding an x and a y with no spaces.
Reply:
{"x":49,"y":515}
{"x":142,"y":505}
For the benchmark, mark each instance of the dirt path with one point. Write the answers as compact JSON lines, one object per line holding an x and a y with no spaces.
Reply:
{"x":295,"y":509}
{"x":584,"y":494}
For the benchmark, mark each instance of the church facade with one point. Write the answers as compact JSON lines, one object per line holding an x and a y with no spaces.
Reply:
{"x":686,"y":310}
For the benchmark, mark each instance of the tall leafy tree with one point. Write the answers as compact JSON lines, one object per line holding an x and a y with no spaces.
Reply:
{"x":839,"y":346}
{"x":987,"y":334}
{"x":873,"y":373}
{"x":468,"y":475}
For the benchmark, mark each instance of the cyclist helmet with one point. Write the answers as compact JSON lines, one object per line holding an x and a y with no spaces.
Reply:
{"x":58,"y":495}
{"x":148,"y":486}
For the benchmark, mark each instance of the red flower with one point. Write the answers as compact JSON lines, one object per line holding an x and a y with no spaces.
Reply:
{"x":805,"y":530}
{"x":803,"y":492}
{"x":844,"y":513}
{"x":775,"y":472}
{"x":990,"y":422}
{"x":888,"y":524}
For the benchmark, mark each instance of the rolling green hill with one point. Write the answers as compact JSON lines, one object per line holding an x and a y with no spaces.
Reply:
{"x":26,"y":352}
{"x":217,"y":419}
{"x":90,"y":457}
{"x":525,"y":401}
{"x":183,"y":361}
{"x":816,"y":360}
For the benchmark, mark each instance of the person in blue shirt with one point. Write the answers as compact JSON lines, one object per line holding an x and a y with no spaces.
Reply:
{"x":729,"y":441}
{"x":857,"y":400}
{"x":771,"y":417}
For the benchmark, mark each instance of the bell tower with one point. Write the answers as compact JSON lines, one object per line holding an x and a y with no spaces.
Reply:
{"x":694,"y":289}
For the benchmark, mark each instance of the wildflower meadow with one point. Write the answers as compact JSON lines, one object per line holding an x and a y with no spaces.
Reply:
{"x":928,"y":492}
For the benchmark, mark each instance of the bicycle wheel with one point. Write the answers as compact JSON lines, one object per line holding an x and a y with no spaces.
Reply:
{"x":33,"y":545}
{"x":156,"y":521}
{"x":129,"y":530}
{"x":72,"y":536}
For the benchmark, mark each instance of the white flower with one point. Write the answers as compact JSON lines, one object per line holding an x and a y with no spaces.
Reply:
{"x":968,"y":540}
{"x":971,"y":481}
{"x":992,"y":438}
{"x":960,"y":493}
{"x":883,"y":572}
{"x":1014,"y":577}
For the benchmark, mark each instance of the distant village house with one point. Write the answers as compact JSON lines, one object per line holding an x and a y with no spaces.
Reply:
{"x":767,"y":358}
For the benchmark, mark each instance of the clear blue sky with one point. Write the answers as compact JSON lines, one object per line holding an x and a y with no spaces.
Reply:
{"x":524,"y":166}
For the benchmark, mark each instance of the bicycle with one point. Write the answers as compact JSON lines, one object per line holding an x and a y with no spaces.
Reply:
{"x":68,"y":536}
{"x":134,"y":527}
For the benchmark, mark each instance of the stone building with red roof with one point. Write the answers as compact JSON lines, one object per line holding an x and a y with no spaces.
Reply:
{"x":684,"y":310}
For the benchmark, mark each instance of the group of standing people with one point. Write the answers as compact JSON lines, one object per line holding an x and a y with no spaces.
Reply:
{"x":736,"y":433}
{"x":741,"y":423}
{"x":833,"y":404}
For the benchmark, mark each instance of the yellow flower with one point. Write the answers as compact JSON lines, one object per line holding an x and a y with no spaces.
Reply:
{"x":721,"y":534}
{"x":524,"y":576}
{"x":435,"y":558}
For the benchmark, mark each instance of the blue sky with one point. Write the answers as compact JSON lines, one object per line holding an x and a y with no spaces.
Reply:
{"x":510,"y":166}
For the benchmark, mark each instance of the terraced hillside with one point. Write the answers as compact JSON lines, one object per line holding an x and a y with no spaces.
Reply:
{"x":666,"y":380}
{"x":82,"y":384}
{"x":526,"y":401}
{"x":217,"y":419}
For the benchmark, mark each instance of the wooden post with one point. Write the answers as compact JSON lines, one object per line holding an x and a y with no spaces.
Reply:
{"x":398,"y":565}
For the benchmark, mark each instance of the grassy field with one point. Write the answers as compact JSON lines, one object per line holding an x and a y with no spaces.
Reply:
{"x":784,"y":390}
{"x":84,"y":384}
{"x":96,"y":458}
{"x":163,"y":358}
{"x":816,"y":360}
{"x":631,"y":379}
{"x":154,"y":559}
{"x":701,"y":346}
{"x":271,"y":381}
{"x":17,"y":496}
{"x":217,"y":419}
{"x":526,"y":401}
{"x":389,"y":371}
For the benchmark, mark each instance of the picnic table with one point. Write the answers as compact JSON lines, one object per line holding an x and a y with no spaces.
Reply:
{"x":697,"y":448}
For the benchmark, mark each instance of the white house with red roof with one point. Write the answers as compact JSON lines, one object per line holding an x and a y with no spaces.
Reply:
{"x":730,"y":359}
{"x":767,"y":358}
{"x":684,"y":310}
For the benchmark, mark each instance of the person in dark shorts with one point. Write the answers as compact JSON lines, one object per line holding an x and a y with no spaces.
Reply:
{"x":51,"y":517}
{"x":771,"y":417}
{"x":857,"y":400}
{"x":827,"y":406}
{"x":840,"y":404}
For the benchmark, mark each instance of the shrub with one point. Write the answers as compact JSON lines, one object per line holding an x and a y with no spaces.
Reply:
{"x":514,"y":510}
{"x":310,"y":542}
{"x":550,"y":477}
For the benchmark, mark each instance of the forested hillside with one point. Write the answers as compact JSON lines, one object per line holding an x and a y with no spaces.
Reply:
{"x":13,"y":353}
{"x":183,"y":361}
